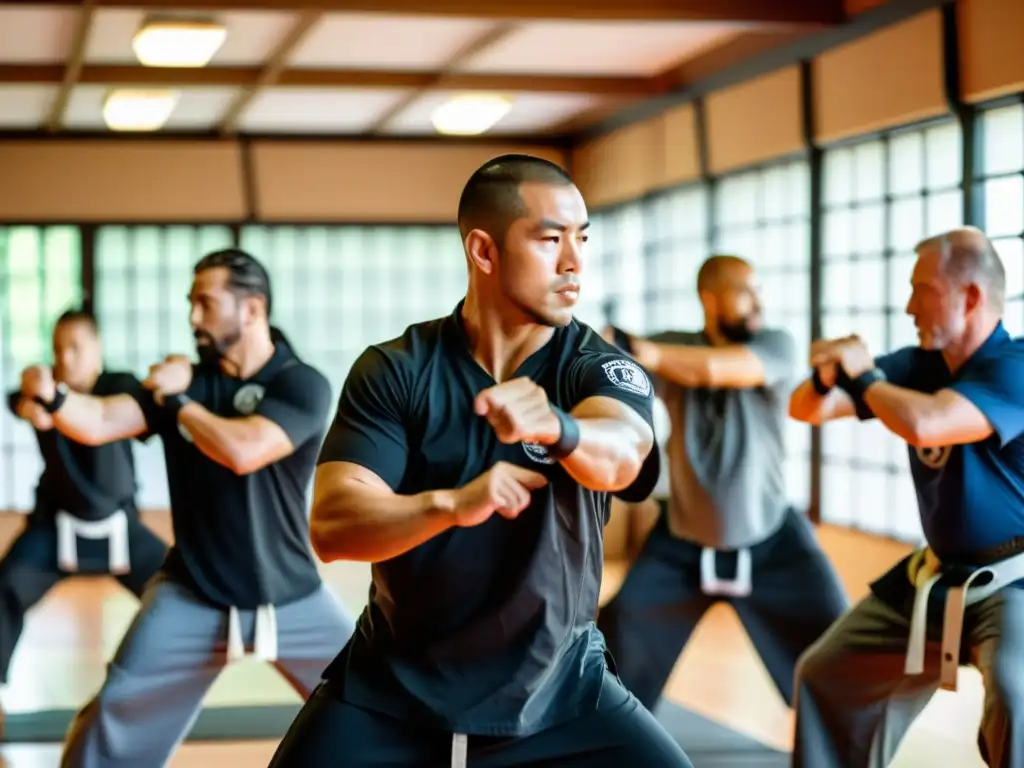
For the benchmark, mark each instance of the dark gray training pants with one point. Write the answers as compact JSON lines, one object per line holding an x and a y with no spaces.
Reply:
{"x":171,"y":655}
{"x":854,"y":702}
{"x":796,"y":595}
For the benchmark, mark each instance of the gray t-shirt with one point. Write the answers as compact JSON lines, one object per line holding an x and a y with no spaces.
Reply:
{"x":726,"y":452}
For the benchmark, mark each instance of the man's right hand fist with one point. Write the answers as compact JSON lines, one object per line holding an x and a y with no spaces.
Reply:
{"x":504,"y":488}
{"x":37,"y":381}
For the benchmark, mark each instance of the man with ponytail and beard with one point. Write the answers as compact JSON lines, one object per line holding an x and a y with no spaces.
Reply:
{"x":241,"y":432}
{"x":726,"y":531}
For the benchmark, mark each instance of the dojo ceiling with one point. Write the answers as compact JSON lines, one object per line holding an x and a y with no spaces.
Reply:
{"x":366,"y":68}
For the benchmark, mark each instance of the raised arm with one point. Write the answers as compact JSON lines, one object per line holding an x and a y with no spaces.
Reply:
{"x":767,"y":360}
{"x":816,"y":400}
{"x":357,"y":514}
{"x":86,"y":419}
{"x":293,"y":410}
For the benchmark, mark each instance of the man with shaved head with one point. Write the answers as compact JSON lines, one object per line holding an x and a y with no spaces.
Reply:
{"x":957,"y":399}
{"x":472,"y":461}
{"x":726,"y":531}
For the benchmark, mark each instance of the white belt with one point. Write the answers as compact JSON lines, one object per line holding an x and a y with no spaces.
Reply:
{"x":460,"y":750}
{"x":264,"y":644}
{"x":1001,"y":574}
{"x":711,"y":584}
{"x":113,"y":528}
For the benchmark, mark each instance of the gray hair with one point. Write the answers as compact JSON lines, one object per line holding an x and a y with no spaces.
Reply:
{"x":966,"y":255}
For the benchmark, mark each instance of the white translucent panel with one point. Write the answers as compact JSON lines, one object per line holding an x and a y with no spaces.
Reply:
{"x":944,"y":211}
{"x":906,"y":163}
{"x":944,"y":155}
{"x":869,"y":170}
{"x":869,"y":228}
{"x":907,"y":223}
{"x":1002,"y":132}
{"x":1011,"y":253}
{"x":838,"y":176}
{"x":1004,"y":206}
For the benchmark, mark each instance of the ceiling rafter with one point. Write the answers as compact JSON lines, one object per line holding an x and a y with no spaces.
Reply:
{"x":52,"y":74}
{"x":815,"y":12}
{"x":490,"y":37}
{"x":73,"y":68}
{"x":276,"y":63}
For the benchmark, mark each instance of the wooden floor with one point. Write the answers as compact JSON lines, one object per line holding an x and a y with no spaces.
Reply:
{"x":70,"y":635}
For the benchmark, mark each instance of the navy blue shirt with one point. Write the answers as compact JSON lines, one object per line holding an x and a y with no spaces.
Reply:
{"x":243,"y":540}
{"x":486,"y":629}
{"x":971,"y":497}
{"x":90,"y":482}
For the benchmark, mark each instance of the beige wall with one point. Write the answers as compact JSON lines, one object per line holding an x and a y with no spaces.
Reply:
{"x":195,"y":181}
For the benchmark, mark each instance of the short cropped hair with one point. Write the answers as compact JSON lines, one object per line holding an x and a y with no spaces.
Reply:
{"x":246,"y":276}
{"x":79,"y":315}
{"x":968,"y":256}
{"x":712,"y":268}
{"x":491,"y":201}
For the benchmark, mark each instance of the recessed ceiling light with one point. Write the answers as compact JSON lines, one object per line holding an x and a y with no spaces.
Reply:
{"x":178,"y":42}
{"x":133,"y":110}
{"x":470,"y":115}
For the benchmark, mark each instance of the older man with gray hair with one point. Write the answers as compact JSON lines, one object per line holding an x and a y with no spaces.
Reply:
{"x":957,"y":399}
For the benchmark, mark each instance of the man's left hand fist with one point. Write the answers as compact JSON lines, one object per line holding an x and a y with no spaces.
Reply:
{"x":171,"y":377}
{"x":519,"y":412}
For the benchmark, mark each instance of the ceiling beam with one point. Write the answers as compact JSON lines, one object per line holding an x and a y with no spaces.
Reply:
{"x":73,"y":68}
{"x":485,"y":40}
{"x":242,"y":77}
{"x":750,"y":11}
{"x":270,"y":72}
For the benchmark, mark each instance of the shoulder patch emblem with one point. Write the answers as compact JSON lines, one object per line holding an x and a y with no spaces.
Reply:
{"x":247,"y":399}
{"x":627,"y":375}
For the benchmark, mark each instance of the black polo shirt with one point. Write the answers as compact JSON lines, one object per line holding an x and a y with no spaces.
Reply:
{"x":243,"y":540}
{"x":487,"y":629}
{"x":87,"y":481}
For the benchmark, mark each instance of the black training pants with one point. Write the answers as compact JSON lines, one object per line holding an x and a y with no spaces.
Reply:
{"x":795,"y":596}
{"x":29,"y":570}
{"x":620,"y":733}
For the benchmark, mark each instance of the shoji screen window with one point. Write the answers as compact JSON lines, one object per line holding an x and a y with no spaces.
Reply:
{"x":339,"y":289}
{"x":676,"y":243}
{"x":763,"y":215}
{"x":1001,"y":191}
{"x":143,"y":277}
{"x":40,"y":278}
{"x":881,"y":198}
{"x":619,"y":260}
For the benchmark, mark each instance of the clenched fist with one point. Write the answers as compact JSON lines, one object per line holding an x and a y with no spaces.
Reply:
{"x":519,"y":412}
{"x":170,"y":377}
{"x":37,"y":381}
{"x":849,"y":353}
{"x":504,"y":488}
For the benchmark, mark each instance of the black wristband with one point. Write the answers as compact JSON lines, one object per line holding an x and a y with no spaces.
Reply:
{"x":175,"y":403}
{"x":59,"y":396}
{"x":568,"y":435}
{"x":819,"y":386}
{"x":856,"y":388}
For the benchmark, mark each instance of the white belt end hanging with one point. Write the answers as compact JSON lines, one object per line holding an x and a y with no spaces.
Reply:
{"x":460,"y":750}
{"x":264,"y":635}
{"x":711,"y":584}
{"x":113,"y":528}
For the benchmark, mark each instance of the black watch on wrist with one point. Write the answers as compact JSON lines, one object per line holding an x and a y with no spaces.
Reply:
{"x":819,"y":386}
{"x":568,"y":435}
{"x":59,"y":396}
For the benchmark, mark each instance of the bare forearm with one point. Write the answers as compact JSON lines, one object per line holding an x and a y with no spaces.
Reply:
{"x":695,"y":366}
{"x":806,"y":405}
{"x":903,"y":411}
{"x":232,"y":443}
{"x":362,"y":523}
{"x":92,"y":420}
{"x":609,"y":455}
